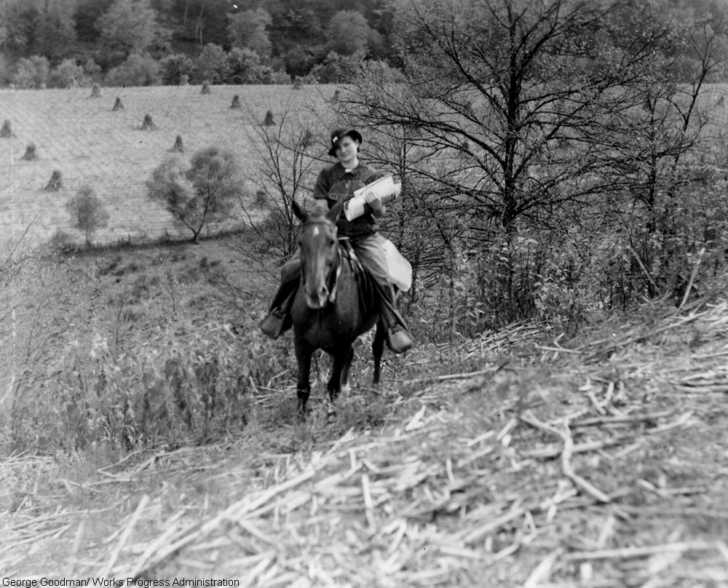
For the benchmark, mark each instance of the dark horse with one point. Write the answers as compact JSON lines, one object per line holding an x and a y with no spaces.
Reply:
{"x":335,"y":303}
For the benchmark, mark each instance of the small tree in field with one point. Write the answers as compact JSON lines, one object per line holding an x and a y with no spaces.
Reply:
{"x":199,"y":193}
{"x":87,"y":212}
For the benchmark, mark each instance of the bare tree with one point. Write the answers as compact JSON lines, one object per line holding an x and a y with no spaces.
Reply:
{"x":515,"y":95}
{"x":198,"y":193}
{"x":285,"y":156}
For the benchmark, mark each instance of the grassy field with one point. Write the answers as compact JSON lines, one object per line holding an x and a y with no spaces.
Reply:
{"x":90,"y":144}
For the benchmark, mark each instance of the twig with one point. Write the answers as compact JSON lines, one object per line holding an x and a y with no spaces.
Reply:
{"x":125,"y":536}
{"x":481,"y":531}
{"x":460,"y":376}
{"x":557,"y":349}
{"x":616,"y":420}
{"x":642,"y":267}
{"x":551,"y":451}
{"x":692,"y":278}
{"x":164,"y":537}
{"x":566,"y":453}
{"x":368,"y":504}
{"x":235,"y":510}
{"x":76,"y":546}
{"x":542,"y":572}
{"x":631,"y":552}
{"x":569,"y":472}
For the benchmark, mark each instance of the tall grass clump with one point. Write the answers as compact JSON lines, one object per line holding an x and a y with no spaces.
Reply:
{"x":133,"y":377}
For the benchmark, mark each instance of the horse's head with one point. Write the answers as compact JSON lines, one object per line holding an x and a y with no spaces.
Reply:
{"x":319,"y":254}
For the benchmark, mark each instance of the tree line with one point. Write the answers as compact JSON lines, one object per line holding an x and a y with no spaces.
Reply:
{"x":157,"y":41}
{"x":66,"y":42}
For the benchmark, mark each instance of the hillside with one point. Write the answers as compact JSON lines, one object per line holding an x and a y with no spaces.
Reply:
{"x":90,"y":144}
{"x":514,"y":459}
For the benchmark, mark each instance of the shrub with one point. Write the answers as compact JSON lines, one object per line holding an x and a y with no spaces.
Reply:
{"x":211,"y":64}
{"x":244,"y":67}
{"x":60,"y":243}
{"x":278,"y":77}
{"x":174,"y":68}
{"x":87,"y":212}
{"x":169,"y":390}
{"x":31,"y":72}
{"x":67,"y":74}
{"x":6,"y":74}
{"x":92,"y":69}
{"x":337,"y":68}
{"x":137,"y":70}
{"x":199,"y":193}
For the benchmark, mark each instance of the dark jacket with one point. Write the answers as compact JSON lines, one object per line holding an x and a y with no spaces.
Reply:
{"x":334,"y":185}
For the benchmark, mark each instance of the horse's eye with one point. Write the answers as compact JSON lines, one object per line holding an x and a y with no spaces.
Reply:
{"x":332,"y":242}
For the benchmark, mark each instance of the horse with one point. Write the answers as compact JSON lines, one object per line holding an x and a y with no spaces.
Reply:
{"x":335,"y":303}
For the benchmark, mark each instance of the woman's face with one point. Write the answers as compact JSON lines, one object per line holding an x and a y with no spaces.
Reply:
{"x":346,"y":149}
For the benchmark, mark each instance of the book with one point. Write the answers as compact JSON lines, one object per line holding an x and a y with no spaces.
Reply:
{"x":384,"y":189}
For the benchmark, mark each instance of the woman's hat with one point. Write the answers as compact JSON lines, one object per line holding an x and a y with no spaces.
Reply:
{"x":339,"y":134}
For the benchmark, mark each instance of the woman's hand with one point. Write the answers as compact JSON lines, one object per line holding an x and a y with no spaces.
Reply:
{"x":376,"y":207}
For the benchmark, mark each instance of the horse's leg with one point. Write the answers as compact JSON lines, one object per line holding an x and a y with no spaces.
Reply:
{"x":339,"y":379}
{"x":303,"y":356}
{"x":345,"y":367}
{"x":377,"y":349}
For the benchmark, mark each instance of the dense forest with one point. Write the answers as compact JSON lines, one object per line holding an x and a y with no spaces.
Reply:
{"x":139,"y":42}
{"x":61,"y":43}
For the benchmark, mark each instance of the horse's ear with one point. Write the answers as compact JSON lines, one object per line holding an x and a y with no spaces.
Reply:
{"x":298,"y":211}
{"x":335,"y":212}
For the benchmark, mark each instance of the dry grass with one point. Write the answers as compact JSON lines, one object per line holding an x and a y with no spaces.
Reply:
{"x":598,"y":462}
{"x":92,"y":145}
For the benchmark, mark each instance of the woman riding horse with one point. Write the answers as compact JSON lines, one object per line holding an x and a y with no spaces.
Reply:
{"x":336,"y":184}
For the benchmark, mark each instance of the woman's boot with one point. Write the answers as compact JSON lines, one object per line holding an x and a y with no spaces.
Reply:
{"x":398,"y":338}
{"x":278,"y":319}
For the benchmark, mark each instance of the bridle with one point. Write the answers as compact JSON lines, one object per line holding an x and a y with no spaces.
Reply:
{"x":333,"y":276}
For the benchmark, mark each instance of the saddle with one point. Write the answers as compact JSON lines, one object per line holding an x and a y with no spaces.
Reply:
{"x":349,"y":254}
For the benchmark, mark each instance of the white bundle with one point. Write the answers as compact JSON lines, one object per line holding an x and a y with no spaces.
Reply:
{"x":384,"y":189}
